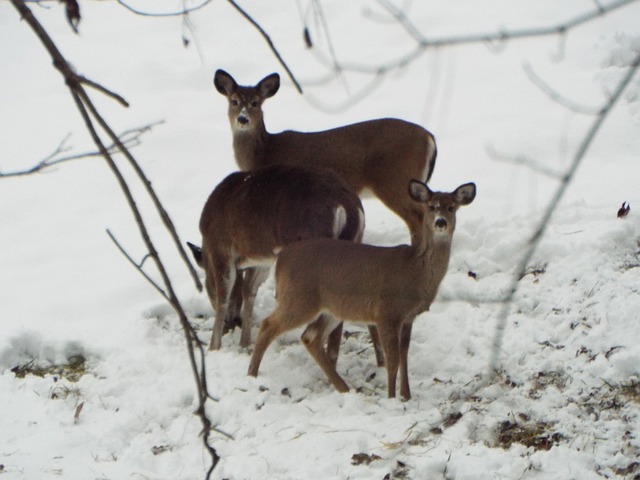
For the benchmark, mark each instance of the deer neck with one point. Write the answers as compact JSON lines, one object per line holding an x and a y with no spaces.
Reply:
{"x":250,"y":147}
{"x":433,"y":261}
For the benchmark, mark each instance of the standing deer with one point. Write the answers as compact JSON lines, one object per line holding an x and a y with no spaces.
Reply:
{"x":250,"y":216}
{"x":384,"y":286}
{"x":378,"y":155}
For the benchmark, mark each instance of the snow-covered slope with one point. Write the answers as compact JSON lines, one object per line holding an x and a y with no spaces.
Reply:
{"x":566,"y":401}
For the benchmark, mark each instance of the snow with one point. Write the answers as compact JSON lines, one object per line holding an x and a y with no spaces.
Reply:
{"x":572,"y":340}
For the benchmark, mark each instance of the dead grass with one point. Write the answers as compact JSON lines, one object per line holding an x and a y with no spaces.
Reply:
{"x":72,"y":371}
{"x":538,"y":435}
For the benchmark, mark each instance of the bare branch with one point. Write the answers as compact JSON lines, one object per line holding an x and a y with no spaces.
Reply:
{"x":138,"y":266}
{"x":104,"y":90}
{"x":555,"y":96}
{"x":495,"y":40}
{"x":551,"y":208}
{"x":524,"y":161}
{"x":130,"y":138}
{"x":353,"y":99}
{"x":267,"y":38}
{"x":87,"y":110}
{"x":400,"y":17}
{"x":185,"y":10}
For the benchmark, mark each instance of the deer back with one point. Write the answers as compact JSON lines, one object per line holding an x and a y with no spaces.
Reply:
{"x":381,"y":155}
{"x":252,"y":215}
{"x":365,"y":283}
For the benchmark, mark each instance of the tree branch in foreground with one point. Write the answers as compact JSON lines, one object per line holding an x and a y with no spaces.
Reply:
{"x":129,"y":138}
{"x":480,"y":382}
{"x":267,"y":38}
{"x":422,"y":44}
{"x":551,"y":208}
{"x":90,"y":114}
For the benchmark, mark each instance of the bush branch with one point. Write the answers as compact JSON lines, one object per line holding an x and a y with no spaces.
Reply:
{"x":90,"y":114}
{"x":551,"y":208}
{"x":130,"y":138}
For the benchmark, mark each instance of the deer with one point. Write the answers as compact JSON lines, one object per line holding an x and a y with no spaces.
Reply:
{"x":378,"y":156}
{"x":320,"y":282}
{"x":250,"y":216}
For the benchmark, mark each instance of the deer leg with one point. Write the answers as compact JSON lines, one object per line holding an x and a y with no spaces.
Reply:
{"x":333,"y":344}
{"x":313,"y":340}
{"x":253,"y":278}
{"x":270,"y":328}
{"x":225,"y":277}
{"x":234,"y":319}
{"x":389,"y":337}
{"x":405,"y":338}
{"x":377,"y":349}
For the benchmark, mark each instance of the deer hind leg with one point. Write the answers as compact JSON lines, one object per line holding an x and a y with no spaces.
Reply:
{"x":405,"y":339}
{"x":333,"y":344}
{"x":313,"y":340}
{"x":377,"y":348}
{"x":390,"y":340}
{"x":225,"y":277}
{"x":253,"y":278}
{"x":234,"y":318}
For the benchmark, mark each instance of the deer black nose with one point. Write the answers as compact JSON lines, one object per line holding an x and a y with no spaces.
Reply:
{"x":441,"y":223}
{"x":243,"y":120}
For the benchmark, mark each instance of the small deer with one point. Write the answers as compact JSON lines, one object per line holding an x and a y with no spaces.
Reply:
{"x":250,"y":216}
{"x":378,"y":155}
{"x":383,"y":286}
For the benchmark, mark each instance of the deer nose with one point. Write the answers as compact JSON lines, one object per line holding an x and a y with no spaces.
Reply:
{"x":441,"y":223}
{"x":243,"y":119}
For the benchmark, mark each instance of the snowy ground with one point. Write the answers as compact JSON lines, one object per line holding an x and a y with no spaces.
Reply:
{"x":116,"y":395}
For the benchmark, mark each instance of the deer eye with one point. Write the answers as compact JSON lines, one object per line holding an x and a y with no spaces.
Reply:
{"x":254,"y":104}
{"x":432,"y":208}
{"x":235,"y":102}
{"x":450,"y":209}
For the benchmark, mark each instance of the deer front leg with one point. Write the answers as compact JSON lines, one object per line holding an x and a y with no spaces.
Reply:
{"x":270,"y":328}
{"x":253,"y":278}
{"x":405,"y":339}
{"x":313,"y":340}
{"x":225,"y":277}
{"x":377,"y":349}
{"x":390,"y":341}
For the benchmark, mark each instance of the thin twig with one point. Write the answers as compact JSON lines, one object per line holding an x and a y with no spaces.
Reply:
{"x":524,"y":161}
{"x":137,"y":266}
{"x":551,"y":208}
{"x":87,"y":110}
{"x":267,"y":38}
{"x":130,"y":138}
{"x":104,"y":90}
{"x":555,"y":96}
{"x":176,"y":13}
{"x":164,"y":215}
{"x":495,"y":39}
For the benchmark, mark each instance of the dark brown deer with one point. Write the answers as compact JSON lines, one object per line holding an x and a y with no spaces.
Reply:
{"x":383,"y":286}
{"x":380,"y":155}
{"x":250,"y":216}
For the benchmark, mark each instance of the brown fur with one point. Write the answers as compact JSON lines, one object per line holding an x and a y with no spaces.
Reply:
{"x":381,"y":155}
{"x":250,"y":216}
{"x":384,"y":286}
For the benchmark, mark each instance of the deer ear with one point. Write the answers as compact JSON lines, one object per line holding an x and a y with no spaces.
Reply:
{"x":465,"y":193}
{"x":268,"y":86}
{"x":225,"y":84}
{"x":419,"y":191}
{"x":197,"y":253}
